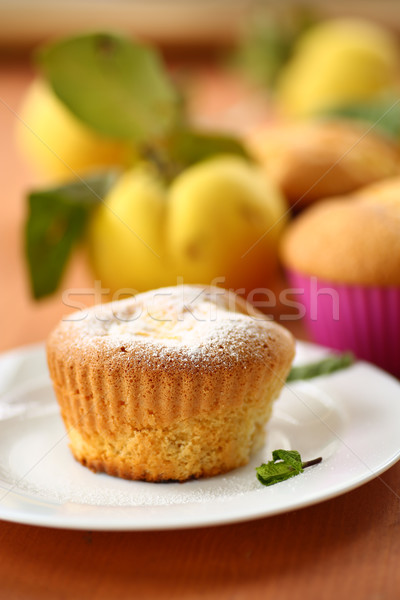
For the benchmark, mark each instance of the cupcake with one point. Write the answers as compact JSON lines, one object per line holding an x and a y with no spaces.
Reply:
{"x":385,"y":192}
{"x":310,"y":160}
{"x":342,"y":258}
{"x":171,"y":384}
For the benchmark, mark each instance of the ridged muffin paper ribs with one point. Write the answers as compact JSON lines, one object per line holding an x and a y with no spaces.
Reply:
{"x":366,"y":319}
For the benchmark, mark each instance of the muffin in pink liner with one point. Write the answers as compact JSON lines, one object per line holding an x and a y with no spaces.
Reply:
{"x":342,"y":258}
{"x":363,"y":319}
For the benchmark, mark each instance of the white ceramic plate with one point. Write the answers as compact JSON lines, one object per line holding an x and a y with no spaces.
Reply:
{"x":351,"y":418}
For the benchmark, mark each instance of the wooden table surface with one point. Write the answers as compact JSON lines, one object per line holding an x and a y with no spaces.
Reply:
{"x":348,"y":547}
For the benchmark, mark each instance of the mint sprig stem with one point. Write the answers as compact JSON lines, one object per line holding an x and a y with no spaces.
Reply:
{"x":312,"y":462}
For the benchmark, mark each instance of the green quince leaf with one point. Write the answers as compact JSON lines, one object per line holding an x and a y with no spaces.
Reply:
{"x":56,"y":221}
{"x":190,"y":146}
{"x":268,"y":42}
{"x":186,"y":146}
{"x":116,"y":86}
{"x":383,"y":115}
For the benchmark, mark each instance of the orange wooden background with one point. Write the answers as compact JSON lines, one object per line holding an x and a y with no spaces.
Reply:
{"x":348,"y":547}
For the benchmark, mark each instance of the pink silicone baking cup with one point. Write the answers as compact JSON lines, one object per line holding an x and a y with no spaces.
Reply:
{"x":362,"y":319}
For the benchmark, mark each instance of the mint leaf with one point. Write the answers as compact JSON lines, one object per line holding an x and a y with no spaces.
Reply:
{"x":116,"y":86}
{"x":284,"y":465}
{"x":271,"y":473}
{"x":56,"y":222}
{"x":291,"y":457}
{"x":321,"y":367}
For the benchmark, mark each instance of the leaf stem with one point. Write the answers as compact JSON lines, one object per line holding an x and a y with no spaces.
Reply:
{"x":164,"y":165}
{"x":310,"y":463}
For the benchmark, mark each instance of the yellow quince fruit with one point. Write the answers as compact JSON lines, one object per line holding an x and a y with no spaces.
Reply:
{"x":126,"y":234}
{"x":57,"y":144}
{"x":218,"y":222}
{"x":338,"y":62}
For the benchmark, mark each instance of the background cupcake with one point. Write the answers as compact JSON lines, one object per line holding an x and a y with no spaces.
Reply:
{"x":319,"y":158}
{"x":343,"y":257}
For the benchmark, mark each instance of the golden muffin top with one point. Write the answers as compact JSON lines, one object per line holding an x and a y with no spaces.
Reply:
{"x":349,"y":240}
{"x":180,"y":328}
